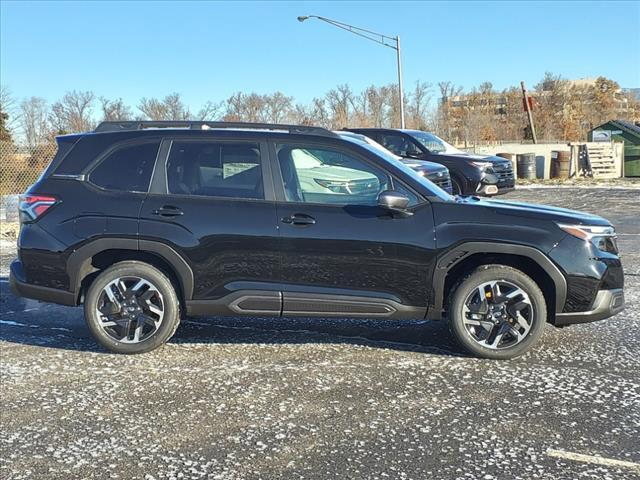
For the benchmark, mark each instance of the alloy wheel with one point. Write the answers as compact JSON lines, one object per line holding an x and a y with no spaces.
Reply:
{"x":498,"y":314}
{"x":130,"y":309}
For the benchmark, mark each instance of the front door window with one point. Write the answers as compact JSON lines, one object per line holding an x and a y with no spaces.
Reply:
{"x":318,"y":175}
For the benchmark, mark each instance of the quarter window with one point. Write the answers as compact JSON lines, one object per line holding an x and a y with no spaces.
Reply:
{"x":128,"y":168}
{"x":215,"y":169}
{"x":317,"y":175}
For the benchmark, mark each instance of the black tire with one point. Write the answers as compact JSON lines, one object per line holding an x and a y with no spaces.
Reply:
{"x":469,"y":285}
{"x":456,"y":187}
{"x":170,"y":304}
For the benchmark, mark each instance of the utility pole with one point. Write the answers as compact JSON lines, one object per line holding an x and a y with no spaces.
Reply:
{"x":526,"y":101}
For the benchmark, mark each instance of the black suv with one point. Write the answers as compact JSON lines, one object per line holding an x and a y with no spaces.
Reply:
{"x":483,"y":175}
{"x":144,"y":222}
{"x":437,"y":173}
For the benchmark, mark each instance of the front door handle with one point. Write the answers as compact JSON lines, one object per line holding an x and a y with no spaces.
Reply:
{"x":299,"y":219}
{"x":168,"y":211}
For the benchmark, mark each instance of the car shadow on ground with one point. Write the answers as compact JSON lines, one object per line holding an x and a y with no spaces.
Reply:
{"x":34,"y":323}
{"x":409,"y":335}
{"x":418,"y":336}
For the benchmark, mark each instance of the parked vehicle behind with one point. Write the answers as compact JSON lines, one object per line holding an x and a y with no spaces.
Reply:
{"x":145,"y":222}
{"x":482,"y":175}
{"x":435,"y":172}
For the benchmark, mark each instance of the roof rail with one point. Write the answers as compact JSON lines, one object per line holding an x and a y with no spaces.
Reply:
{"x":203,"y":125}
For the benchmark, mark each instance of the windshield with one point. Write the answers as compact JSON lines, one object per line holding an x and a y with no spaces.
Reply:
{"x":433,"y":143}
{"x":396,"y":161}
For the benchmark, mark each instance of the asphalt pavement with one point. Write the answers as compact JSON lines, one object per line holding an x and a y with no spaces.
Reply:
{"x":259,"y":398}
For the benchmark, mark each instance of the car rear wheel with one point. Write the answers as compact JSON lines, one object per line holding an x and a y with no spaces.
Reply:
{"x":132,"y":307}
{"x":497,"y":312}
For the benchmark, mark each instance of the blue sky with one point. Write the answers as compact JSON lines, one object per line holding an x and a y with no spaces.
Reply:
{"x":208,"y":50}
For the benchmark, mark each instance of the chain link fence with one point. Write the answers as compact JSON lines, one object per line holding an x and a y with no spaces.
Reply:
{"x":19,"y":167}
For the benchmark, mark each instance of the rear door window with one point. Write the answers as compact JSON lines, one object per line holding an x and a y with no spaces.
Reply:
{"x":397,"y":143}
{"x":215,"y":169}
{"x":127,"y":168}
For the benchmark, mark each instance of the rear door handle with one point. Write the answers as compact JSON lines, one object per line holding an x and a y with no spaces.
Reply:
{"x":299,"y":219}
{"x":168,"y":211}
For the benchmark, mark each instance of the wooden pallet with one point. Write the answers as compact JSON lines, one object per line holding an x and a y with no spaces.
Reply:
{"x":605,"y":158}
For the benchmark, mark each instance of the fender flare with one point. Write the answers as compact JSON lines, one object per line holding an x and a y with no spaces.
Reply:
{"x":456,"y":254}
{"x":79,"y":262}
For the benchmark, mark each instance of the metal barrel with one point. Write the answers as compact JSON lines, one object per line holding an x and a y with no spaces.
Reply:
{"x":560,"y":163}
{"x":511,"y":157}
{"x":526,"y":165}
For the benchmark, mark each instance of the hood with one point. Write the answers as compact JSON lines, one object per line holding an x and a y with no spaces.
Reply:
{"x":424,"y":166}
{"x":541,"y":212}
{"x":475,"y":158}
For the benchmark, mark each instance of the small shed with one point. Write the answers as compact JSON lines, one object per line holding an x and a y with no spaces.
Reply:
{"x":621,"y":131}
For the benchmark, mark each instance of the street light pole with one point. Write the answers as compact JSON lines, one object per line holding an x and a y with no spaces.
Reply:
{"x":400,"y":89}
{"x":374,"y":37}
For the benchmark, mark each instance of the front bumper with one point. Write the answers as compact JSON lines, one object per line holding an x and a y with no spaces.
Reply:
{"x":606,"y":304}
{"x":493,"y":184}
{"x":490,"y":190}
{"x":21,"y":288}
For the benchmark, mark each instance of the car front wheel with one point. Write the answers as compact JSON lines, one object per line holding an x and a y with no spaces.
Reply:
{"x":132,"y":307}
{"x":497,"y":312}
{"x":456,"y":187}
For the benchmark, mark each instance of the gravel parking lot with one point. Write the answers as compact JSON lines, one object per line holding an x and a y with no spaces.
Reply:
{"x":314,"y":398}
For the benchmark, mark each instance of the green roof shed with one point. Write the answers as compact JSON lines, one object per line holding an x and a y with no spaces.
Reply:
{"x":622,"y":131}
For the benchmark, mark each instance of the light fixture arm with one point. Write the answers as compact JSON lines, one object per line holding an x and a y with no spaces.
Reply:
{"x":362,"y":32}
{"x":378,"y":38}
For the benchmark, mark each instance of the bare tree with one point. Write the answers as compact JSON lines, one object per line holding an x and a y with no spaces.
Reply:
{"x":211,"y":111}
{"x":340,"y":100}
{"x":448,"y":91}
{"x":234,"y":107}
{"x":254,"y":108}
{"x":170,"y":107}
{"x":319,"y":114}
{"x":418,"y":105}
{"x":34,"y":115}
{"x":9,"y":112}
{"x":73,"y":113}
{"x":377,"y":100}
{"x":606,"y":98}
{"x":360,"y":105}
{"x":153,"y":109}
{"x":176,"y":109}
{"x":242,"y":107}
{"x":564,"y":110}
{"x":278,"y":107}
{"x":115,"y":110}
{"x":302,"y":115}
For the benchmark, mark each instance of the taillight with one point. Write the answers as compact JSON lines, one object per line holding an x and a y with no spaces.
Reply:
{"x":32,"y":207}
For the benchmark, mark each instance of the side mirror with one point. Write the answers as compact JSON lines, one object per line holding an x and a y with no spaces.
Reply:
{"x":393,"y":201}
{"x":413,"y":154}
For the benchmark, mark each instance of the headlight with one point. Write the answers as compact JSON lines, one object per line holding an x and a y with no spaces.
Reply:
{"x":603,"y":238}
{"x":336,"y":186}
{"x":484,"y":165}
